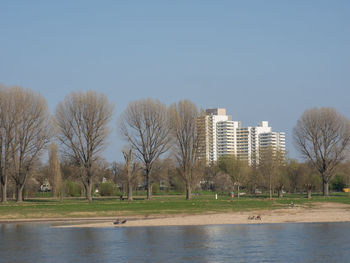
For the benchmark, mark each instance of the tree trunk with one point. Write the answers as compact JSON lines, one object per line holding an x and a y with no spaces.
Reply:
{"x":270,"y":186}
{"x":4,"y":190}
{"x":149,"y":186}
{"x":57,"y":187}
{"x":325,"y":188}
{"x":149,"y":192}
{"x":20,"y":186}
{"x":238,"y":190}
{"x":308,"y":193}
{"x":148,"y":181}
{"x":130,"y":192}
{"x":88,"y":189}
{"x":19,"y":193}
{"x":188,"y":191}
{"x":280,"y":193}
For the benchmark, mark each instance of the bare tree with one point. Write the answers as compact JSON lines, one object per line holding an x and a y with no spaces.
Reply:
{"x":132,"y":170}
{"x":54,"y":171}
{"x":237,"y":169}
{"x":7,"y":135}
{"x":31,"y":132}
{"x":271,"y":165}
{"x":82,"y":121}
{"x":322,"y":136}
{"x":117,"y":171}
{"x":144,"y":124}
{"x":223,"y":183}
{"x":183,"y":119}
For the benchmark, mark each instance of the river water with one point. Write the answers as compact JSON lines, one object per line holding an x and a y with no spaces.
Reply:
{"x":316,"y":242}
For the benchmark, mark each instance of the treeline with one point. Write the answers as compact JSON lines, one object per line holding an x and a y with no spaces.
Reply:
{"x":163,"y":146}
{"x":226,"y":176}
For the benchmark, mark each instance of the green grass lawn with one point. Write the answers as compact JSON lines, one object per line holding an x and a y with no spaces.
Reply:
{"x":171,"y":204}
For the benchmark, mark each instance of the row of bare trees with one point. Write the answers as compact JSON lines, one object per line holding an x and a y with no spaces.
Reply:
{"x":232,"y":174}
{"x":116,"y":179}
{"x":151,"y":129}
{"x":321,"y":135}
{"x":80,"y":124}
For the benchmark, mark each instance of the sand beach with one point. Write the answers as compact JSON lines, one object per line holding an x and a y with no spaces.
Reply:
{"x":320,"y":212}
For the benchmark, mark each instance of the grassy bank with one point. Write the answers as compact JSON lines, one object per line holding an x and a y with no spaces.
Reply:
{"x":101,"y":207}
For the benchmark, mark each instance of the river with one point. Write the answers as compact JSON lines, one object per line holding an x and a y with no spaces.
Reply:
{"x":300,"y":242}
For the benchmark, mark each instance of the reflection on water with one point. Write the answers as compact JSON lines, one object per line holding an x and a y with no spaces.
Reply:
{"x":321,"y":242}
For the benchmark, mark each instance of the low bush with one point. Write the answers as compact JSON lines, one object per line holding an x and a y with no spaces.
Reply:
{"x":155,"y":188}
{"x":108,"y":189}
{"x":72,"y":189}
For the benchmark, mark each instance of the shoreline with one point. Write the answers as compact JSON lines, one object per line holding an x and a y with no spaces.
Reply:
{"x":320,"y":212}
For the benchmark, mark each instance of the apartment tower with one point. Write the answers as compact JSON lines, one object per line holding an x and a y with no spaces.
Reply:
{"x":222,"y":136}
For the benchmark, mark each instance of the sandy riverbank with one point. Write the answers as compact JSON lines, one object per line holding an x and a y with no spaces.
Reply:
{"x":320,"y":212}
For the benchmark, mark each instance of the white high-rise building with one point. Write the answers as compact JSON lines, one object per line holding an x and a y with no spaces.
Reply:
{"x":276,"y":140}
{"x":249,"y":141}
{"x":222,"y":136}
{"x":226,"y":132}
{"x":208,"y":127}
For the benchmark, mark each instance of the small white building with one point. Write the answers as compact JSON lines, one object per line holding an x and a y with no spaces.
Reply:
{"x":45,"y":187}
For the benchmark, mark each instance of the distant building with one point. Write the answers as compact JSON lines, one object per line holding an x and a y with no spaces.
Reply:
{"x":219,"y":136}
{"x":252,"y":139}
{"x":45,"y":187}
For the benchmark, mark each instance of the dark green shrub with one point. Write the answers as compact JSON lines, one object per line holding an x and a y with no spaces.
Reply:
{"x":72,"y":189}
{"x":338,"y":183}
{"x":108,"y":189}
{"x":155,"y":188}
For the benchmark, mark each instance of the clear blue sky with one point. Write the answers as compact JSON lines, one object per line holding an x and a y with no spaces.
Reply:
{"x":261,"y":60}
